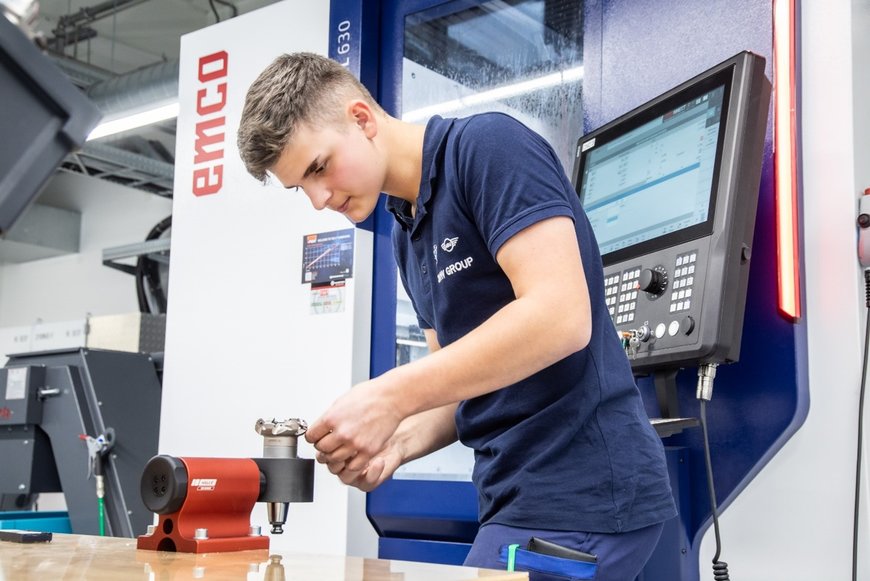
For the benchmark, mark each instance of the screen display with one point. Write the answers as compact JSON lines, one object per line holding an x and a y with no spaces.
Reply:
{"x":656,"y":179}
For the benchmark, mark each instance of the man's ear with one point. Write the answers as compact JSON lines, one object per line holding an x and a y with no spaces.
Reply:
{"x":363,"y":117}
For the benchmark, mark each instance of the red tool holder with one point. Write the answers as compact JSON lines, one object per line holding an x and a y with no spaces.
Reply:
{"x":220,"y":494}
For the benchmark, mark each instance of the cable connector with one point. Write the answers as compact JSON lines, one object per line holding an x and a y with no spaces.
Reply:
{"x":863,"y":222}
{"x":706,"y":375}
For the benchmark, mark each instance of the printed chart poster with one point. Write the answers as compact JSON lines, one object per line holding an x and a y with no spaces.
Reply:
{"x":327,"y":257}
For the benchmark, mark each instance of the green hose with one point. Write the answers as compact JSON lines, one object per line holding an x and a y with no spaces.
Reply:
{"x":101,"y":504}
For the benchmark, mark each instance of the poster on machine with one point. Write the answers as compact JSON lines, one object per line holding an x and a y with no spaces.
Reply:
{"x":327,"y":257}
{"x":327,"y":262}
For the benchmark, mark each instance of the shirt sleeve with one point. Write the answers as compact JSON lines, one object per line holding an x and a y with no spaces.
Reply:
{"x":511,"y":178}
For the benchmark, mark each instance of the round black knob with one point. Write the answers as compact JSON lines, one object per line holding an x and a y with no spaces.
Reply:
{"x":164,"y":484}
{"x":863,"y":220}
{"x":652,"y":281}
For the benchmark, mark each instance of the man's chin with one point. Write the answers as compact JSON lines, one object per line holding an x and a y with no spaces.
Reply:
{"x":356,"y":217}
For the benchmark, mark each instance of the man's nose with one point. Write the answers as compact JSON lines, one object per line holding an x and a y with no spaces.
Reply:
{"x":319,"y":196}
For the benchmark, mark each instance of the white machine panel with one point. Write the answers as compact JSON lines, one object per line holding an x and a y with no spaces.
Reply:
{"x":246,"y":336}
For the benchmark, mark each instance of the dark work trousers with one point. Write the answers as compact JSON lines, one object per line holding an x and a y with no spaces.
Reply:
{"x":621,"y":556}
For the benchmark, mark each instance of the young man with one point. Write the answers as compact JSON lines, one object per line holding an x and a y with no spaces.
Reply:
{"x":504,"y":273}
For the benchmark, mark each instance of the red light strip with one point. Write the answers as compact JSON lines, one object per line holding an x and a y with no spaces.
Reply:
{"x":785,"y":157}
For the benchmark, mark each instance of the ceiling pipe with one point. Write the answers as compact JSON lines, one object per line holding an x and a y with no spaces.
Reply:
{"x":136,"y":90}
{"x":68,"y":25}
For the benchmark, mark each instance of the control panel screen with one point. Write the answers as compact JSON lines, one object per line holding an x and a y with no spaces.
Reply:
{"x":655,"y":182}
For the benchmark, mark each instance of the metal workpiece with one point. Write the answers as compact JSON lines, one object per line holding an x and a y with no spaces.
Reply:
{"x":280,"y":437}
{"x":277,"y":516}
{"x":288,"y":478}
{"x":275,"y":570}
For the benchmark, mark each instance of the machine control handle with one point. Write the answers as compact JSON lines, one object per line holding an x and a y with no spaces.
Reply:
{"x":653,"y":280}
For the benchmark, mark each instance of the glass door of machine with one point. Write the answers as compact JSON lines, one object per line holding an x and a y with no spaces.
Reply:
{"x":456,"y":58}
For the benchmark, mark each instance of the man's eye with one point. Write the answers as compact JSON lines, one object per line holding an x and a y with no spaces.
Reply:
{"x":320,"y":169}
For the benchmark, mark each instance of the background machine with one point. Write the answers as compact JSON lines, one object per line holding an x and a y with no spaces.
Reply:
{"x":82,"y":422}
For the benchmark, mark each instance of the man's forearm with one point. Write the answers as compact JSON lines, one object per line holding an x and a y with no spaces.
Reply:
{"x":426,"y":432}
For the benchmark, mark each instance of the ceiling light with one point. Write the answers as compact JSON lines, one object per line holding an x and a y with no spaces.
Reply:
{"x":133,"y":119}
{"x":497,"y":94}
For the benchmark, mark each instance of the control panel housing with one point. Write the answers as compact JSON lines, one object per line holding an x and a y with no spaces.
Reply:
{"x":671,"y":190}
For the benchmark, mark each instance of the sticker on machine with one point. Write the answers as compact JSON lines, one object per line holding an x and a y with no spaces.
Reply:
{"x":326,"y":299}
{"x":16,"y":383}
{"x":204,"y":483}
{"x":327,"y":257}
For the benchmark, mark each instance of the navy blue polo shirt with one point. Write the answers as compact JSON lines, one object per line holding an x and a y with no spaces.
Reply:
{"x":571,"y":447}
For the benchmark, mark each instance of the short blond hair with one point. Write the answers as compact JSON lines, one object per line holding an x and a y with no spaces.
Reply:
{"x":298,"y":88}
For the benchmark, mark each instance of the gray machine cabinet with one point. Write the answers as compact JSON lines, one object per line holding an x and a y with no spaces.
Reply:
{"x":80,"y":392}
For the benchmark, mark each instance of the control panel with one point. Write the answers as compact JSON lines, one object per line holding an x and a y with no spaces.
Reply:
{"x":671,"y":190}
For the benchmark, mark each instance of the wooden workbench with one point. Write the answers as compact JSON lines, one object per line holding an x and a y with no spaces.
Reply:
{"x":83,"y":557}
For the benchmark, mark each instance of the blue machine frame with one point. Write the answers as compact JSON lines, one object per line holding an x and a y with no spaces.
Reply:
{"x":759,"y":401}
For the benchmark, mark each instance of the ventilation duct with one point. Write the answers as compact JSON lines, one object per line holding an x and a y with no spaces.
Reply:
{"x":137,"y":91}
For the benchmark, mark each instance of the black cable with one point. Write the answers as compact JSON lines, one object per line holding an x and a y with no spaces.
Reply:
{"x":148,"y":273}
{"x":217,"y":16}
{"x":231,"y":5}
{"x":720,"y":568}
{"x":861,"y":427}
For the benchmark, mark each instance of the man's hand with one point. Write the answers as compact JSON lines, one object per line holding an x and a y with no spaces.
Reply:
{"x":379,"y":468}
{"x":355,"y":429}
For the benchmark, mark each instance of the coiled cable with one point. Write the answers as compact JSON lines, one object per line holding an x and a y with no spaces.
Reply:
{"x":720,"y":568}
{"x":861,"y":428}
{"x":149,"y":292}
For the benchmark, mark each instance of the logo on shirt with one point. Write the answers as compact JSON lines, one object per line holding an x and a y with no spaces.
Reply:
{"x":435,"y":252}
{"x":449,"y":244}
{"x":454,"y":268}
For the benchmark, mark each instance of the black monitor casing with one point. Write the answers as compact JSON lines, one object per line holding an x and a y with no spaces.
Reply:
{"x":708,"y":331}
{"x":43,"y":116}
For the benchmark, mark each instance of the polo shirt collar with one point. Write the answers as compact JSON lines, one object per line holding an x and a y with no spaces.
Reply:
{"x":434,"y":141}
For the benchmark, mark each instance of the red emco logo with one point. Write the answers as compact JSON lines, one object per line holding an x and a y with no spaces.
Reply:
{"x":211,"y":98}
{"x":5,"y":413}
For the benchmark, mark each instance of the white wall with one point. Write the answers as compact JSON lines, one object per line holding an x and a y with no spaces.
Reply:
{"x":794,"y":520}
{"x":73,"y":286}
